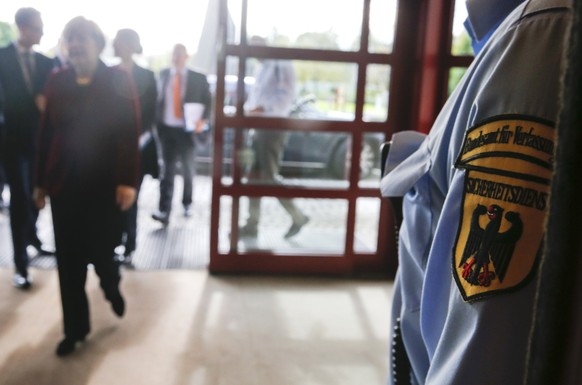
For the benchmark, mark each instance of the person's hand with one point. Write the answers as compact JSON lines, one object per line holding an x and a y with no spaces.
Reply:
{"x":40,"y":102}
{"x":39,"y":197}
{"x":125,"y":196}
{"x":199,"y":127}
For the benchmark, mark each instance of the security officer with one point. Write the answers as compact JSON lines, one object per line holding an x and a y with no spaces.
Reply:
{"x":475,"y":197}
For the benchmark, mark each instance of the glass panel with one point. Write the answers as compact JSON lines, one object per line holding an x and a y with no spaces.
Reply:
{"x":234,"y":21}
{"x":382,"y":25}
{"x":377,"y":86}
{"x":224,"y":221}
{"x":323,"y":233}
{"x":204,"y":154}
{"x":318,"y":159}
{"x":317,"y":155}
{"x":370,"y":159}
{"x":323,"y":90}
{"x":461,"y":44}
{"x":455,"y":75}
{"x":317,"y":24}
{"x":313,"y":156}
{"x":203,"y":151}
{"x":303,"y":155}
{"x":367,"y":222}
{"x":230,"y":85}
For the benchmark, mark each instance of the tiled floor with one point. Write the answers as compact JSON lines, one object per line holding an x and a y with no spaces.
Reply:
{"x":182,"y":245}
{"x":185,"y":243}
{"x":186,"y":327}
{"x":190,"y":328}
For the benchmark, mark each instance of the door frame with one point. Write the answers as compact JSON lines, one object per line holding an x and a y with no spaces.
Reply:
{"x":419,"y":70}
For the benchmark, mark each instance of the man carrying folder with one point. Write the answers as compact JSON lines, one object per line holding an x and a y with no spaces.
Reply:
{"x":179,"y":87}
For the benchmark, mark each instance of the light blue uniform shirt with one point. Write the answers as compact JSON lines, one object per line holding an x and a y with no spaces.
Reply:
{"x":484,"y":16}
{"x":477,"y":341}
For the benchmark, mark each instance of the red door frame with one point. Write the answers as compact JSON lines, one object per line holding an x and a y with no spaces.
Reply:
{"x":417,"y":51}
{"x":435,"y":61}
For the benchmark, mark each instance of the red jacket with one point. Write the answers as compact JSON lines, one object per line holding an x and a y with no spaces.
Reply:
{"x":88,"y":141}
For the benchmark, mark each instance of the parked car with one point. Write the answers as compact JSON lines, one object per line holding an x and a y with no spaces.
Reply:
{"x":313,"y":153}
{"x":327,"y":152}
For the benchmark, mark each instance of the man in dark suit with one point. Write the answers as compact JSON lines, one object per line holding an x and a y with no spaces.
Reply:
{"x":23,"y":73}
{"x":127,"y":44}
{"x":179,"y":86}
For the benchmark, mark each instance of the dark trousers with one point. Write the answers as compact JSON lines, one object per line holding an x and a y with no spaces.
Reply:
{"x":149,"y":165}
{"x":129,"y":224}
{"x":23,"y":213}
{"x":3,"y":181}
{"x":86,"y":231}
{"x":177,"y":145}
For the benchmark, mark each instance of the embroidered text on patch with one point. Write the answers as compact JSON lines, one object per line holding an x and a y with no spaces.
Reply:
{"x":508,"y":163}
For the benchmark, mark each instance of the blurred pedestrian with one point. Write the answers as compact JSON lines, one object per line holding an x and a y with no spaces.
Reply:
{"x":127,"y":44}
{"x":179,"y":86}
{"x":23,"y":73}
{"x":88,"y":165}
{"x":273,"y":94}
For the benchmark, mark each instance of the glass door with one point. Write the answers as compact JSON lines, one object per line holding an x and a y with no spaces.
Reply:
{"x":354,"y":85}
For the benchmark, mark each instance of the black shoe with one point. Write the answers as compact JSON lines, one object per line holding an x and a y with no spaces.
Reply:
{"x":118,"y":258}
{"x":68,"y":346}
{"x":117,"y":304}
{"x":21,"y":282}
{"x":45,"y":251}
{"x":40,"y":248}
{"x":121,"y":259}
{"x":162,"y":217}
{"x":296,"y":228}
{"x":126,"y":260}
{"x":128,"y":252}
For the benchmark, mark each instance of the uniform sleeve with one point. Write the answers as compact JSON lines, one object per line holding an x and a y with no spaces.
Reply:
{"x":467,"y":298}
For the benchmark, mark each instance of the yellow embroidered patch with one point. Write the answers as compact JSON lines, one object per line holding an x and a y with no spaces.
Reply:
{"x":508,"y":162}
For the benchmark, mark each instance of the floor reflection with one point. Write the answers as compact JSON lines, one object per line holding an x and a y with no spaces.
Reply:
{"x":186,"y":327}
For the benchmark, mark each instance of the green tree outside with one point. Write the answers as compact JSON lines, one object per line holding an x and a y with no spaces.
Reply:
{"x":7,"y":33}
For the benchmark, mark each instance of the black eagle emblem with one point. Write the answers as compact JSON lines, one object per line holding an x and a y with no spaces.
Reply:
{"x":487,"y":244}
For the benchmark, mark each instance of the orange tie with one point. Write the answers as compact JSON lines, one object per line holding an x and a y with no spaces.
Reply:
{"x":177,"y":96}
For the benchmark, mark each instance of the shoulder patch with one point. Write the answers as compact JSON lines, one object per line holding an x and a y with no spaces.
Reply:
{"x":508,"y":168}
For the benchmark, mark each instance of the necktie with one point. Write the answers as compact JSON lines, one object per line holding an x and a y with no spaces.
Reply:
{"x":28,"y":69}
{"x":177,"y":96}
